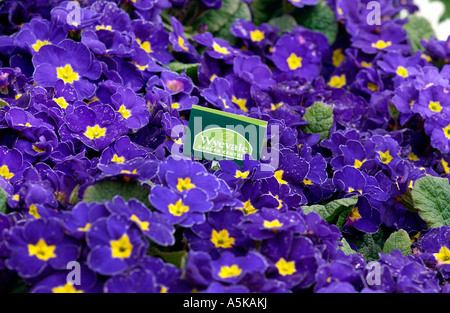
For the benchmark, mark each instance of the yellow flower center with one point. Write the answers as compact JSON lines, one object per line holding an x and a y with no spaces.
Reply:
{"x":338,"y":57}
{"x":386,"y":157}
{"x":307,"y":182}
{"x":401,"y":71}
{"x":285,"y":268}
{"x":121,"y":248}
{"x":413,"y":157}
{"x":273,"y":106}
{"x":354,"y":214}
{"x":443,"y":257}
{"x":359,"y":163}
{"x":67,"y":288}
{"x":41,"y":250}
{"x":32,"y":210}
{"x":294,"y":61}
{"x":184,"y":184}
{"x":435,"y":106}
{"x":178,"y":208}
{"x":67,"y":74}
{"x":220,"y":49}
{"x":230,"y":271}
{"x":248,"y":208}
{"x":143,"y":225}
{"x":257,"y":35}
{"x":61,"y":102}
{"x":125,"y":113}
{"x":39,"y":44}
{"x":279,"y":177}
{"x":242,"y":175}
{"x":5,"y":173}
{"x":366,"y":64}
{"x":182,"y":44}
{"x":272,"y":224}
{"x":337,"y":81}
{"x":381,"y":44}
{"x":242,"y":103}
{"x":117,"y":159}
{"x":104,"y":27}
{"x":445,"y":129}
{"x":95,"y":132}
{"x":222,"y":239}
{"x":85,"y":228}
{"x":145,"y":45}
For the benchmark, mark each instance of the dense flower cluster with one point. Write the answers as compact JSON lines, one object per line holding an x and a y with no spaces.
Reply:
{"x":91,"y":168}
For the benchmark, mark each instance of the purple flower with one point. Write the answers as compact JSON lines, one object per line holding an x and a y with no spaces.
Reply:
{"x":391,"y":37}
{"x":184,"y":175}
{"x":83,"y":216}
{"x":292,"y":55}
{"x":152,"y":224}
{"x":230,"y":269}
{"x":116,"y":245}
{"x":186,"y":210}
{"x":292,"y":260}
{"x":70,"y":62}
{"x":38,"y":33}
{"x":179,"y":41}
{"x":132,"y":108}
{"x":268,"y":223}
{"x":96,"y":126}
{"x":39,"y":245}
{"x":220,"y":231}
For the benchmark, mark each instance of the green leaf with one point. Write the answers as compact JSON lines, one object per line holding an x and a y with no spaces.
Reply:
{"x":286,"y":23}
{"x":3,"y":103}
{"x":399,"y":240}
{"x":346,"y":247}
{"x":219,"y":21}
{"x":370,"y":245}
{"x":3,"y":199}
{"x":418,"y":28}
{"x":333,"y":209}
{"x":107,"y":190}
{"x":431,"y":196}
{"x":74,"y":195}
{"x":243,"y":12}
{"x":319,"y":18}
{"x":265,"y":10}
{"x":177,"y":258}
{"x":320,"y":118}
{"x":191,"y":69}
{"x":446,"y":13}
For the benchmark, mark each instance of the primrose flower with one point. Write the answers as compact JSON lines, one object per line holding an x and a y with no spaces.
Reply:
{"x":186,"y":210}
{"x":292,"y":55}
{"x":230,"y":269}
{"x":70,"y":62}
{"x":39,"y":245}
{"x":38,"y":33}
{"x":115,"y":244}
{"x":152,"y":224}
{"x":96,"y":126}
